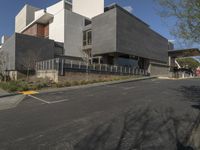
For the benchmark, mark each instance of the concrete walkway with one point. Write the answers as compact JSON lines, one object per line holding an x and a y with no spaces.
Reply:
{"x":2,"y":92}
{"x":9,"y":102}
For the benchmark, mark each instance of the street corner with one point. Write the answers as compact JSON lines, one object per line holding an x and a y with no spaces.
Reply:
{"x":10,"y":101}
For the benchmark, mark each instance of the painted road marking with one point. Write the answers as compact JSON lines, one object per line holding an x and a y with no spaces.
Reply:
{"x":111,"y":86}
{"x":28,"y":92}
{"x":59,"y":101}
{"x":39,"y":99}
{"x":47,"y":102}
{"x":128,"y":88}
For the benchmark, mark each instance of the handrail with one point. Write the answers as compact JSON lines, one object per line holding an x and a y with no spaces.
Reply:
{"x":60,"y":64}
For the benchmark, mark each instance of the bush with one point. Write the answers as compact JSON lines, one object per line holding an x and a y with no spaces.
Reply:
{"x":75,"y":83}
{"x":14,"y":86}
{"x":84,"y":82}
{"x":67,"y":84}
{"x":59,"y":85}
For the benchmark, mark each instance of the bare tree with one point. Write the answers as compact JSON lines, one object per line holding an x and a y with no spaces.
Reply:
{"x":3,"y":64}
{"x":86,"y":59}
{"x":29,"y":61}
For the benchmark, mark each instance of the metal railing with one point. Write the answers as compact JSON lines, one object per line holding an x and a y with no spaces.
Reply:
{"x":63,"y":65}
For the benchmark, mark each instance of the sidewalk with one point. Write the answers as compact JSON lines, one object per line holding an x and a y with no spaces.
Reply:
{"x":2,"y":92}
{"x":8,"y":100}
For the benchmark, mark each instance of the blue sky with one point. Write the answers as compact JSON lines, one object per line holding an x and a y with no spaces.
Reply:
{"x":144,"y":9}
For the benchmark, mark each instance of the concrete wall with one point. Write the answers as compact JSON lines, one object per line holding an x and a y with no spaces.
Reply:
{"x":31,"y":49}
{"x":118,"y":31}
{"x":159,"y":70}
{"x":88,"y":8}
{"x":104,"y":35}
{"x":136,"y":38}
{"x":66,"y":27}
{"x":24,"y":17}
{"x":73,"y":30}
{"x":56,"y":26}
{"x":48,"y":74}
{"x":8,"y":49}
{"x":24,"y":49}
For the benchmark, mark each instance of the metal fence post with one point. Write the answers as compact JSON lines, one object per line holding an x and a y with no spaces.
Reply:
{"x":62,"y":67}
{"x":71,"y":64}
{"x":93,"y":66}
{"x":53,"y":65}
{"x":58,"y":64}
{"x":79,"y":65}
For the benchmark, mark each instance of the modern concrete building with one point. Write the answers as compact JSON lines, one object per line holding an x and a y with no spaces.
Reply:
{"x":77,"y":30}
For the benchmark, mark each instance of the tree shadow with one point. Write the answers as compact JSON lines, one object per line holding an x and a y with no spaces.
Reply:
{"x":180,"y":146}
{"x":192,"y":93}
{"x":138,"y":129}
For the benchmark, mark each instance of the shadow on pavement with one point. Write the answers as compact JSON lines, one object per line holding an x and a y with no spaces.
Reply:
{"x":146,"y":129}
{"x":193,"y":94}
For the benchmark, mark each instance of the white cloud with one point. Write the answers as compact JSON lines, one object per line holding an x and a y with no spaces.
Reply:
{"x":128,"y":8}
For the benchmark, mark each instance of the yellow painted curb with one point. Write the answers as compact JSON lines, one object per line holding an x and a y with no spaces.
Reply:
{"x":28,"y":92}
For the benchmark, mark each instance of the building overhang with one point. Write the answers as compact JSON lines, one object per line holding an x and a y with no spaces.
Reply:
{"x":192,"y":52}
{"x":43,"y":18}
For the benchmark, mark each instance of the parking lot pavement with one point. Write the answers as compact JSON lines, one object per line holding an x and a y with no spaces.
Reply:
{"x":89,"y":118}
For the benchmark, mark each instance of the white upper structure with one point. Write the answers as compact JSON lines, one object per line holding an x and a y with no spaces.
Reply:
{"x":4,"y":38}
{"x":88,"y":8}
{"x":25,"y":17}
{"x":63,"y":25}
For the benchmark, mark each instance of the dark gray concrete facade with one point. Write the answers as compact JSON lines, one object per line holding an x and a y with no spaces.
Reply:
{"x":118,"y":31}
{"x":104,"y":35}
{"x":23,"y":50}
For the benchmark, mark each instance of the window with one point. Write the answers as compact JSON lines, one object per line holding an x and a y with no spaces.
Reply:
{"x":87,"y":22}
{"x":87,"y":37}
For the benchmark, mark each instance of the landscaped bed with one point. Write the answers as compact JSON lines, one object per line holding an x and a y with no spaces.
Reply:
{"x":23,"y":85}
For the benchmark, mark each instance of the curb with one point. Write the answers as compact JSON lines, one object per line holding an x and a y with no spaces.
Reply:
{"x":96,"y":84}
{"x":9,"y":95}
{"x":168,"y":78}
{"x":83,"y":86}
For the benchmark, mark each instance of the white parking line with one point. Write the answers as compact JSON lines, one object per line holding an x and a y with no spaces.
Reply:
{"x":111,"y":86}
{"x":128,"y":88}
{"x":39,"y":99}
{"x":59,"y":101}
{"x":47,"y":102}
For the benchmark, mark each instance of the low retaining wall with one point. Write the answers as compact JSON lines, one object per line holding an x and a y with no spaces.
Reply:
{"x":73,"y":76}
{"x":78,"y":76}
{"x":49,"y":74}
{"x":156,"y":69}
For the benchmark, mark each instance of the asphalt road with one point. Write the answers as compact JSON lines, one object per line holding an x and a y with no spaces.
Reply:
{"x":151,"y":114}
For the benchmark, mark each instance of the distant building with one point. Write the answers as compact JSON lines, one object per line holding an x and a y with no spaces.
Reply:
{"x":198,"y":72}
{"x":109,"y":35}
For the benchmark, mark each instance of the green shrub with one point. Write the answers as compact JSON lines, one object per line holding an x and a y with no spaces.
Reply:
{"x":59,"y":85}
{"x":67,"y":84}
{"x":75,"y":83}
{"x":14,"y":86}
{"x":84,"y":82}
